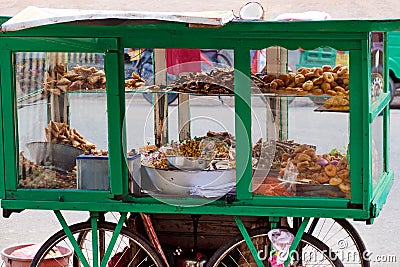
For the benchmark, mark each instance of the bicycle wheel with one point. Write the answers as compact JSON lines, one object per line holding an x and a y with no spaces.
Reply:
{"x":129,"y":249}
{"x":310,"y":252}
{"x":341,"y":237}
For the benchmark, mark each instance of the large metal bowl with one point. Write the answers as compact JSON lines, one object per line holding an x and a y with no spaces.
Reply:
{"x":188,"y":163}
{"x":178,"y":182}
{"x":57,"y":156}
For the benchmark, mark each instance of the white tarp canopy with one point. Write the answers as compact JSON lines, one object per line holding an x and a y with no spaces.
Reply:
{"x":35,"y":16}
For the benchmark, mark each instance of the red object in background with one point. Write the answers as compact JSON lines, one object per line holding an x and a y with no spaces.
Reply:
{"x":183,"y":60}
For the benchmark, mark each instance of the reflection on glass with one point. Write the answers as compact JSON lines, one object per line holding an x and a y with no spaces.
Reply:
{"x":57,"y":122}
{"x":377,"y":150}
{"x":377,"y":80}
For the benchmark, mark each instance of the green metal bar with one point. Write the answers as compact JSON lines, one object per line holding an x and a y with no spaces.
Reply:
{"x":219,"y":208}
{"x":386,"y":114}
{"x":2,"y":174}
{"x":71,"y":238}
{"x":248,"y":241}
{"x":58,"y":44}
{"x":297,"y":239}
{"x":114,"y":237}
{"x":116,"y":114}
{"x":10,"y":120}
{"x":95,"y":238}
{"x":243,"y":123}
{"x":358,"y":123}
{"x":379,"y":105}
{"x":381,"y":193}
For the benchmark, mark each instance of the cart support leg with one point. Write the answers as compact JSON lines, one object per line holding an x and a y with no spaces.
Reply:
{"x":95,"y":240}
{"x":114,"y":237}
{"x":247,"y":238}
{"x":297,"y":239}
{"x":71,"y":238}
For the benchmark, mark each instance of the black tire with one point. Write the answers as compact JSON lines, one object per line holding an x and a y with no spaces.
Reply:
{"x":341,"y":236}
{"x":143,"y":253}
{"x":235,"y":251}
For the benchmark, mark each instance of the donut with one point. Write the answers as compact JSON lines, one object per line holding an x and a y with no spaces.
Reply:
{"x":318,"y":71}
{"x":318,"y":81}
{"x":284,"y":78}
{"x":327,"y":68}
{"x":325,"y":86}
{"x":343,"y":70}
{"x":285,"y":156}
{"x":308,"y":85}
{"x":339,"y":89}
{"x":314,"y":177}
{"x":273,"y":86}
{"x":299,"y":78}
{"x":334,"y":84}
{"x":302,"y":71}
{"x":335,"y":181}
{"x":335,"y":76}
{"x":346,"y":81}
{"x":328,"y":77}
{"x":335,"y":69}
{"x":330,"y":170}
{"x":323,"y":178}
{"x":331,"y":93}
{"x":301,"y":92}
{"x":343,"y":174}
{"x":310,"y":75}
{"x":317,"y":91}
{"x":344,"y":187}
{"x":268,"y":78}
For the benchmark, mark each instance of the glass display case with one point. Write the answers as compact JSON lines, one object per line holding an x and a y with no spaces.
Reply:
{"x":218,"y":118}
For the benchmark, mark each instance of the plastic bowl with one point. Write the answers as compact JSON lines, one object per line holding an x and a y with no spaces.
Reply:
{"x":12,"y":261}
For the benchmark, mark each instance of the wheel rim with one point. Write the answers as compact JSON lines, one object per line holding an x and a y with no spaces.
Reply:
{"x":127,"y":250}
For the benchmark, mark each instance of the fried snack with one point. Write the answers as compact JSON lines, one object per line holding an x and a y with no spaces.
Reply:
{"x":330,"y":170}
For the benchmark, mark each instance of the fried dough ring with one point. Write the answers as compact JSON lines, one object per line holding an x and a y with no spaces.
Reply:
{"x":328,"y":77}
{"x":335,"y":181}
{"x":344,"y":187}
{"x":323,"y":178}
{"x":330,"y":170}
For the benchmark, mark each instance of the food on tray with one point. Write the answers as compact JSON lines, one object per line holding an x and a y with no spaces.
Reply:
{"x":34,"y":176}
{"x":58,"y":80}
{"x":316,"y":81}
{"x":303,"y":165}
{"x":135,"y":82}
{"x":337,"y":103}
{"x":216,"y":148}
{"x":272,"y":187}
{"x":217,"y":81}
{"x":59,"y":132}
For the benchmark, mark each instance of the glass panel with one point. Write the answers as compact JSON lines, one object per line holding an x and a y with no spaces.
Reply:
{"x":190,"y":139}
{"x":377,"y":150}
{"x":377,"y":80}
{"x":61,"y":118}
{"x":308,"y":109}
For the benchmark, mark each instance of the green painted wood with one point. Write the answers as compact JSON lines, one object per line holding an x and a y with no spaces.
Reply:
{"x":243,"y":123}
{"x":239,"y":210}
{"x":113,"y":240}
{"x":95,"y":238}
{"x":297,"y":239}
{"x":386,"y":113}
{"x":357,"y":122}
{"x":2,"y":174}
{"x":248,"y":241}
{"x":71,"y":238}
{"x":115,"y":115}
{"x":379,"y":105}
{"x":8,"y":105}
{"x":381,"y":193}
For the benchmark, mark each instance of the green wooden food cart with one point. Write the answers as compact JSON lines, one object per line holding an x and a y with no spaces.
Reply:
{"x":80,"y":137}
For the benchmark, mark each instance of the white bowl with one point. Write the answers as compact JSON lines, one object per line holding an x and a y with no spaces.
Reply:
{"x":178,"y":182}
